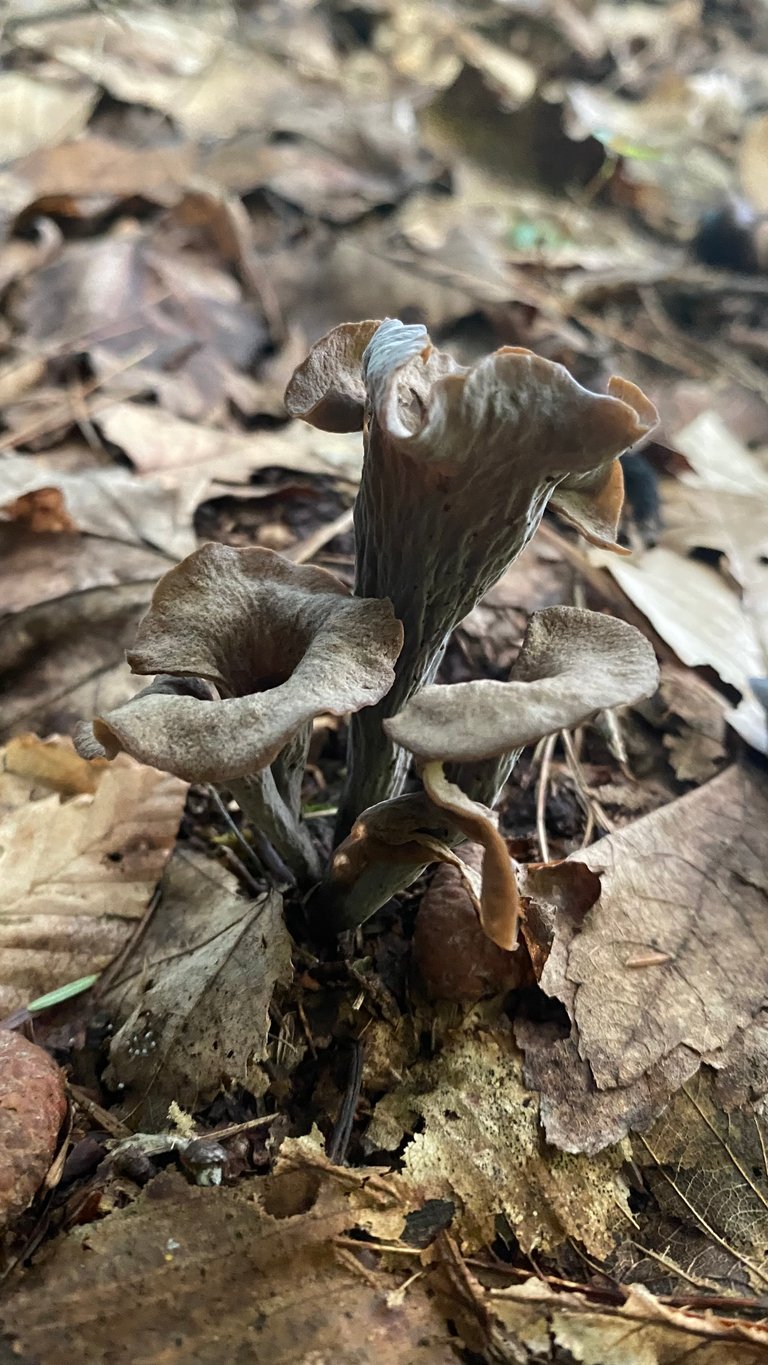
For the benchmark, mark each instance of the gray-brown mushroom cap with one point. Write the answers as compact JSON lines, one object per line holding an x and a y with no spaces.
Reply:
{"x":513,"y":415}
{"x":281,"y":642}
{"x":572,"y":664}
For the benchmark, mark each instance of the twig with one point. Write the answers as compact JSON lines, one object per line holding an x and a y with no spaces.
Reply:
{"x":98,"y":1114}
{"x":342,"y":1132}
{"x":542,"y":789}
{"x":589,"y":802}
{"x":234,"y":828}
{"x":308,"y":548}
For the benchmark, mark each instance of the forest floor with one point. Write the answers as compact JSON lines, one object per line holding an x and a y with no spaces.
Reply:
{"x":253,"y":1147}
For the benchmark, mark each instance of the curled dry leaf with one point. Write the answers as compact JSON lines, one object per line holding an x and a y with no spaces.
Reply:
{"x":195,"y":1018}
{"x":572,"y":664}
{"x":481,"y":1146}
{"x":667,"y":968}
{"x":33,"y":1104}
{"x":77,"y":870}
{"x":281,"y":642}
{"x":192,"y":1257}
{"x":460,"y":464}
{"x":174,"y":325}
{"x":454,"y":958}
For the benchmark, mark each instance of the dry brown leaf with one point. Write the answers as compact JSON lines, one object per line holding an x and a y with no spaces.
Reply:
{"x":151,"y":310}
{"x":691,"y":717}
{"x":642,"y":1331}
{"x":705,"y":1167}
{"x":70,"y":605}
{"x":719,"y":459}
{"x":454,"y":958}
{"x":33,"y":1104}
{"x":667,"y":967}
{"x":692,"y":607}
{"x":78,"y":872}
{"x":187,"y":66}
{"x":110,"y":503}
{"x":97,"y":167}
{"x":193,"y":1016}
{"x":481,"y":1145}
{"x":158,"y":442}
{"x":31,"y":767}
{"x":192,"y":1258}
{"x":40,"y":111}
{"x":666,"y":141}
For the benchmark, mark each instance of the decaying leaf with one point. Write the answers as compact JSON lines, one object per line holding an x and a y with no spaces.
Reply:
{"x":148,"y":313}
{"x":193,"y":1015}
{"x":694,"y":610}
{"x":642,"y":1331}
{"x":248,"y":1273}
{"x":482,"y":1147}
{"x":667,"y":967}
{"x":33,"y":1104}
{"x":705,"y":1166}
{"x":78,"y":870}
{"x":110,"y":503}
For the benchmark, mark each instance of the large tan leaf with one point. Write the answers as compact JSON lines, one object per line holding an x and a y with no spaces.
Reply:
{"x":185,"y":65}
{"x":158,"y":442}
{"x":111,"y":503}
{"x":195,"y":1018}
{"x":77,"y":871}
{"x":669,"y":964}
{"x":691,"y":606}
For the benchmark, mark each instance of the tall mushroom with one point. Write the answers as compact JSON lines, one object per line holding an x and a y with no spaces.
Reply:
{"x":280,"y":643}
{"x":460,"y":464}
{"x":572,"y":664}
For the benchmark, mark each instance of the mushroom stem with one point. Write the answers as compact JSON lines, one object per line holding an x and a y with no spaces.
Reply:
{"x":261,"y":801}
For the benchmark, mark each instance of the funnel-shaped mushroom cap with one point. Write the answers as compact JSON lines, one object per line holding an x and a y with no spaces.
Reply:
{"x":282,"y":643}
{"x":460,"y":464}
{"x":511,"y":417}
{"x":572,"y":664}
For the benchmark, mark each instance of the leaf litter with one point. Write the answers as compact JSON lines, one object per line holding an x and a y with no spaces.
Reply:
{"x":190,"y":201}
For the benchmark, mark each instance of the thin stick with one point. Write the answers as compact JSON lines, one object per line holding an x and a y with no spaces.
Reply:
{"x":589,"y":802}
{"x":234,"y":828}
{"x":542,"y":790}
{"x":308,"y":548}
{"x":339,"y":1140}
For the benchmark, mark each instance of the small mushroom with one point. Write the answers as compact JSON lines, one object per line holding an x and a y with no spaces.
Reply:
{"x":281,"y":643}
{"x":459,"y":467}
{"x":572,"y":664}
